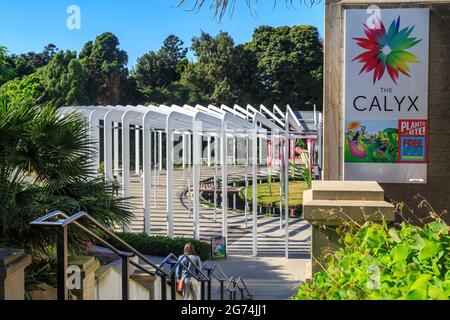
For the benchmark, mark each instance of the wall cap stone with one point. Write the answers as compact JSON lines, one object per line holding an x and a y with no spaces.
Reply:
{"x":12,"y":260}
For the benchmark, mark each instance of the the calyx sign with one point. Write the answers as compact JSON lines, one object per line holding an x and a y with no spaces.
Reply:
{"x":386,"y":95}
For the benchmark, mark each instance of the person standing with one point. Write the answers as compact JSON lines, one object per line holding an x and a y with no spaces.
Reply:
{"x":187,"y":285}
{"x":116,"y":186}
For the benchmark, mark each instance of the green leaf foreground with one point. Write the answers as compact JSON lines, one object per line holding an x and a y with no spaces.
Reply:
{"x":378,"y":262}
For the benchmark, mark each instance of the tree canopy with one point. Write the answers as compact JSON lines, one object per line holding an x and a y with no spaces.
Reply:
{"x":281,"y":65}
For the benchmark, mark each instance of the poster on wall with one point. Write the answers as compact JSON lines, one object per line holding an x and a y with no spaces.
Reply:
{"x":218,"y":248}
{"x":386,"y":95}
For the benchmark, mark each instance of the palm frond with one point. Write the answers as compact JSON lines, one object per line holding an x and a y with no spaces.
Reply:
{"x":220,"y":7}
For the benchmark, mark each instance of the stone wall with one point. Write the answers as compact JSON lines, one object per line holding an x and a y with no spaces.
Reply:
{"x":436,"y":190}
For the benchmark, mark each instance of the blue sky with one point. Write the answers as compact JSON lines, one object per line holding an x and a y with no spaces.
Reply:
{"x":141,"y":25}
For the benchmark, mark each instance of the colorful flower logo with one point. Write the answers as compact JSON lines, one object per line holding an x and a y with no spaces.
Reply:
{"x":387,"y":50}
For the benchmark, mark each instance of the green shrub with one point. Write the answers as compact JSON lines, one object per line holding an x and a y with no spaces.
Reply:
{"x":379,"y":262}
{"x":39,"y":271}
{"x":162,"y":246}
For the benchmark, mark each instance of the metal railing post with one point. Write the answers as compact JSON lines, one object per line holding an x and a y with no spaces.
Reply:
{"x":125,"y":284}
{"x":242,"y":293}
{"x":202,"y":290}
{"x":173,"y":283}
{"x":163,"y":287}
{"x":221,"y":290}
{"x":209,"y":284}
{"x":61,"y":270}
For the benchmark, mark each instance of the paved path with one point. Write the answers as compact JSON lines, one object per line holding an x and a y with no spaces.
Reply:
{"x":267,"y":278}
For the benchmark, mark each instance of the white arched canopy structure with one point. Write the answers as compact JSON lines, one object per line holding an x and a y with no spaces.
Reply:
{"x":194,"y":124}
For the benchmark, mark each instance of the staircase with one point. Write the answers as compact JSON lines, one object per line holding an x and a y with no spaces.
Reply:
{"x":134,"y":276}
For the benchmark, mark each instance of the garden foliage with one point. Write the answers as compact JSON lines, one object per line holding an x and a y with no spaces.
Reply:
{"x":382,"y":262}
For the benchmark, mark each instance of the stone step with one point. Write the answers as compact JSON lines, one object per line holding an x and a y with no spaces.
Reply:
{"x":329,"y":211}
{"x":346,"y":190}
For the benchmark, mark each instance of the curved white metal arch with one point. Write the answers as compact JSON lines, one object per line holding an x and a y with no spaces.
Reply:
{"x":221,"y":123}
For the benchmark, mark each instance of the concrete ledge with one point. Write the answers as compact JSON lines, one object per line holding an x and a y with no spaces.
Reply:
{"x":334,"y":203}
{"x":12,"y":276}
{"x":347,"y":190}
{"x":12,"y":260}
{"x":338,"y":212}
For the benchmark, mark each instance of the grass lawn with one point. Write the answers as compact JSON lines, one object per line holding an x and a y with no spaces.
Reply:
{"x":296,"y":189}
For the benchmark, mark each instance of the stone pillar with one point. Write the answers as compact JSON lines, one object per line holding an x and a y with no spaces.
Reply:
{"x":331,"y":204}
{"x":81,"y":277}
{"x":12,"y":273}
{"x":149,"y":282}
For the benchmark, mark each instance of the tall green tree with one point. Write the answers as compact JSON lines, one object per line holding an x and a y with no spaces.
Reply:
{"x":290,"y":61}
{"x":222,"y":72}
{"x":28,"y":63}
{"x":29,"y":88}
{"x":62,"y":82}
{"x":106,"y":64}
{"x":6,"y":70}
{"x":65,"y":80}
{"x":172,"y":56}
{"x":147,"y":72}
{"x":163,"y":68}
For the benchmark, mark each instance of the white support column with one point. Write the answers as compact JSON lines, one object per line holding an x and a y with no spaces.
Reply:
{"x":126,"y":162}
{"x":137,"y":149}
{"x":234,"y":153}
{"x":125,"y":158}
{"x":320,"y":145}
{"x":169,"y":176}
{"x":274,"y":139}
{"x":189,"y":163}
{"x":160,"y":150}
{"x":260,"y":150}
{"x":197,"y":155}
{"x":235,"y":157}
{"x":208,"y":150}
{"x":224,"y":155}
{"x":147,"y":172}
{"x":216,"y":159}
{"x":183,"y":157}
{"x":95,"y":138}
{"x":280,"y":156}
{"x":246,"y":181}
{"x":116,"y":149}
{"x":255,"y":188}
{"x":108,"y":149}
{"x":183,"y":137}
{"x":286,"y":186}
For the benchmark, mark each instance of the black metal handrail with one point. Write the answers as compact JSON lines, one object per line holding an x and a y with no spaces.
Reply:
{"x":238,"y":284}
{"x":213,"y":272}
{"x":243,"y":287}
{"x":61,"y":251}
{"x":158,"y":270}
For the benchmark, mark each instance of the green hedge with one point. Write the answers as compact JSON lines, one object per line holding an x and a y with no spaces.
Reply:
{"x":162,"y":246}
